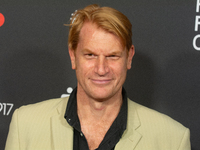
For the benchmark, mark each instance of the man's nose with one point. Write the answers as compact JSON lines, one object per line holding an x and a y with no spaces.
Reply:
{"x":101,"y":66}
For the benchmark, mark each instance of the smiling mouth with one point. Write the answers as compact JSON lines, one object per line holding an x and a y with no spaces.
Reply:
{"x":102,"y":81}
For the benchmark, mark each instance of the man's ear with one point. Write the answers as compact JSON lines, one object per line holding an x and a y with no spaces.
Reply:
{"x":73,"y":58}
{"x":131,"y":53}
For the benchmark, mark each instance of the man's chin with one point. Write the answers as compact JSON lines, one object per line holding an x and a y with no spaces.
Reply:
{"x":101,"y":97}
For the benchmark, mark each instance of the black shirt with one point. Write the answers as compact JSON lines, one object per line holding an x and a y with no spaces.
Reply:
{"x":112,"y":136}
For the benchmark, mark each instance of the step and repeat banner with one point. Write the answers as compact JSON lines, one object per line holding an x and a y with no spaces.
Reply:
{"x":165,"y":74}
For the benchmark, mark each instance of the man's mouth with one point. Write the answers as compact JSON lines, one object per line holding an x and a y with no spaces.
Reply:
{"x":101,"y":81}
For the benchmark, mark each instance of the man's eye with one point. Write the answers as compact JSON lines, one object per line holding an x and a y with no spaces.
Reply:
{"x":90,"y":55}
{"x":113,"y":57}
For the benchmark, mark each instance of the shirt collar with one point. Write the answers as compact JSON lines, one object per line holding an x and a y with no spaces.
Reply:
{"x":72,"y":117}
{"x":71,"y":111}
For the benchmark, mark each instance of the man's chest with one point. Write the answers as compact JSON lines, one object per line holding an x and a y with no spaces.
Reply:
{"x":95,"y":133}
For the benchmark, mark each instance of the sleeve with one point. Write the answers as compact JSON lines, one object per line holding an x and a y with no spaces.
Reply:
{"x":12,"y":142}
{"x":185,"y":142}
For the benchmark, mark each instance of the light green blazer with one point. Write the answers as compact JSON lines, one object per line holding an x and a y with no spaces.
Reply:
{"x":42,"y":126}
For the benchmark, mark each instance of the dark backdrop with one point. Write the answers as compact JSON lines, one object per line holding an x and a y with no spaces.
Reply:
{"x":35,"y":65}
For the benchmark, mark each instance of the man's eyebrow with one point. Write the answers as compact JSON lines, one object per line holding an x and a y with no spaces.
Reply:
{"x":87,"y":51}
{"x":108,"y":53}
{"x":115,"y":53}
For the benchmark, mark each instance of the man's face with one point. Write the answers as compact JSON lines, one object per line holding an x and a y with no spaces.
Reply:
{"x":101,"y":63}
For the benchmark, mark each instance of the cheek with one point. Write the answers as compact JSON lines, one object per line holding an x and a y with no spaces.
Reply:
{"x":119,"y":69}
{"x":84,"y":67}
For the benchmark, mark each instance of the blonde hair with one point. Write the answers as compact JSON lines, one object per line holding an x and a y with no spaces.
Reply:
{"x":109,"y":19}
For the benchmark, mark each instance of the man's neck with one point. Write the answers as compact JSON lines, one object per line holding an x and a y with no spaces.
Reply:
{"x":95,"y":110}
{"x":96,"y":117}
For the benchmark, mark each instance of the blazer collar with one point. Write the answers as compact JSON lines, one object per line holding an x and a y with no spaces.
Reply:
{"x":62,"y":132}
{"x":131,"y":137}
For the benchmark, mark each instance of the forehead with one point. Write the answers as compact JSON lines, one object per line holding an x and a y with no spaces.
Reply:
{"x":92,"y":34}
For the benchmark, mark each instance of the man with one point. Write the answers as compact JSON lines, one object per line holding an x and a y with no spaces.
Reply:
{"x":97,"y":115}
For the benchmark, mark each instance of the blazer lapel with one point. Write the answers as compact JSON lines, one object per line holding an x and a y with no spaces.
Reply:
{"x":131,"y":137}
{"x":62,"y":132}
{"x":129,"y":141}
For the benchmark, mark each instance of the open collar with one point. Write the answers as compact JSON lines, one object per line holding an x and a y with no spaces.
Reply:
{"x":62,"y":132}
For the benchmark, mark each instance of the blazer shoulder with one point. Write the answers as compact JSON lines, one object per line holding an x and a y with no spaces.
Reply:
{"x":46,"y":107}
{"x":157,"y":130}
{"x":152,"y":117}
